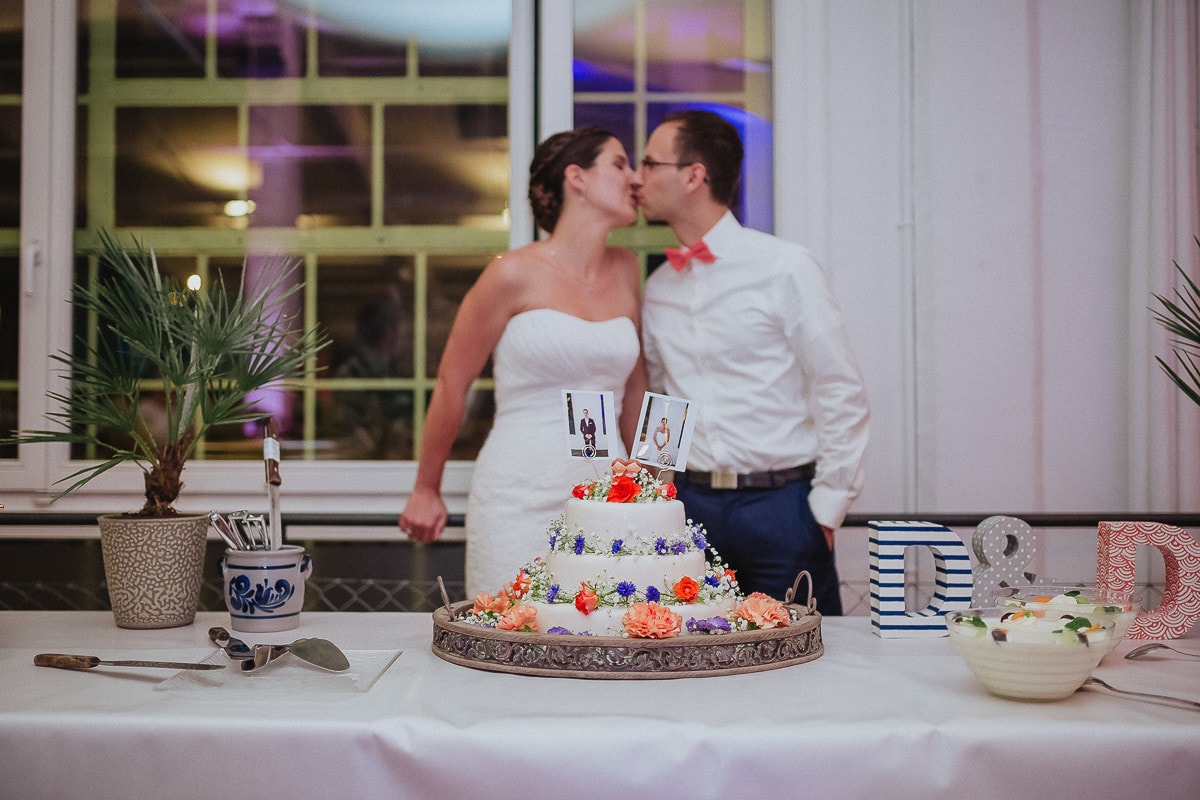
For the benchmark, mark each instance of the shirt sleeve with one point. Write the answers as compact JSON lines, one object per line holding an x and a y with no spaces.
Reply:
{"x":834,"y":389}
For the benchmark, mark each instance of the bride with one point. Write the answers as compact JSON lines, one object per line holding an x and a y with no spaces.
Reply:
{"x":561,"y":313}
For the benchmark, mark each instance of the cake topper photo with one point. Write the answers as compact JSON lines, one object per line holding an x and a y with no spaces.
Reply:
{"x":664,"y":431}
{"x":591,"y":421}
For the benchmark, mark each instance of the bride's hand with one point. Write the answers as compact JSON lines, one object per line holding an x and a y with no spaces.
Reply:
{"x":424,"y":517}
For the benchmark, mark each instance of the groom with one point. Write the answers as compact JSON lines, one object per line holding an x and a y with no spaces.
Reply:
{"x":744,"y":324}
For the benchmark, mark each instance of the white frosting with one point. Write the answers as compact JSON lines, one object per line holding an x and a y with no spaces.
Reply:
{"x":641,"y":522}
{"x":661,"y":572}
{"x":606,"y":620}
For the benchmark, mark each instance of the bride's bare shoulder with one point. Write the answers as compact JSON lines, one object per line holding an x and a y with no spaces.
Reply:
{"x":515,"y":269}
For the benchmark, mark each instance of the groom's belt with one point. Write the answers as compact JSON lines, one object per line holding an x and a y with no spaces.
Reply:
{"x":727,"y":479}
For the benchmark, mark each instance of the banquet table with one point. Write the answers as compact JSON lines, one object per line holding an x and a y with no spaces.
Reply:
{"x":872,"y":717}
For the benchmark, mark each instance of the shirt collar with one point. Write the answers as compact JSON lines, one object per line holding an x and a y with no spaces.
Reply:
{"x":720,"y":236}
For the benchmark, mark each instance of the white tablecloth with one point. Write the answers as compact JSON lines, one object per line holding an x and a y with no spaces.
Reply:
{"x":886,"y":718}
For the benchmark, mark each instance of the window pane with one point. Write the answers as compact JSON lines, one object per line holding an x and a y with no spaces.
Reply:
{"x":347,"y":54}
{"x":261,"y":39}
{"x":695,"y":46}
{"x":176,"y":166}
{"x":11,"y":44}
{"x":489,"y":59}
{"x":10,"y":306}
{"x":10,"y":166}
{"x":311,"y":164}
{"x":615,"y":117}
{"x":446,"y":165}
{"x":477,"y":421}
{"x":637,"y":59}
{"x":366,"y":305}
{"x":367,"y":424}
{"x":605,"y":46}
{"x":449,"y":280}
{"x":285,"y":126}
{"x":160,"y":38}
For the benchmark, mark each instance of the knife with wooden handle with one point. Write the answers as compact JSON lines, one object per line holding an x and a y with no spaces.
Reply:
{"x":66,"y":661}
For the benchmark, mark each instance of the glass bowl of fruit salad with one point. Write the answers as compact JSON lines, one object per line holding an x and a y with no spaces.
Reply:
{"x":1021,"y":656}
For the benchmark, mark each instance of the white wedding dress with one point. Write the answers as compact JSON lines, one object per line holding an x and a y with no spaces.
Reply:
{"x":524,"y":473}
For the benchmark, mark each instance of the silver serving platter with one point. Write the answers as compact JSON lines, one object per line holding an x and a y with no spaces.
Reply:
{"x":619,"y":658}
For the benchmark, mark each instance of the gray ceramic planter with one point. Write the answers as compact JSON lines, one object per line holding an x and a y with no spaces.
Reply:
{"x":154,"y":568}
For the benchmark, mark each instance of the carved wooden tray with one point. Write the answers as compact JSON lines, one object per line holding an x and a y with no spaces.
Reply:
{"x":618,"y":658}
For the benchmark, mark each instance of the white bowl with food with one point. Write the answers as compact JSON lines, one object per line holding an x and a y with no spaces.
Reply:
{"x":1018,"y":655}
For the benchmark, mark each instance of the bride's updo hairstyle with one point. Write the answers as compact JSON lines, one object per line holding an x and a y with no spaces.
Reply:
{"x":550,"y":162}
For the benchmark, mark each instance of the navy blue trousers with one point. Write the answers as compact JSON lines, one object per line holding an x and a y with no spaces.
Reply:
{"x":767,"y":536}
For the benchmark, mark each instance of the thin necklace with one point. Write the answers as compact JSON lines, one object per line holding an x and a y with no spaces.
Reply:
{"x":587,"y":285}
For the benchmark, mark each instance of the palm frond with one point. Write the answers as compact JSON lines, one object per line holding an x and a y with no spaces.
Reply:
{"x":205,"y":352}
{"x":1181,"y":318}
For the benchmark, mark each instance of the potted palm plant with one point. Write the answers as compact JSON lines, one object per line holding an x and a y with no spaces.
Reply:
{"x":195,"y":358}
{"x":1181,"y":318}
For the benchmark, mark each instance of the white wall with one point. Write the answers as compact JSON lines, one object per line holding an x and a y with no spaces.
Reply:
{"x":965,"y":181}
{"x":967,"y":191}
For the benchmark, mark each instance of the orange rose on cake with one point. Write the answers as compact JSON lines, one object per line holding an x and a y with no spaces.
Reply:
{"x":687,"y":590}
{"x":586,"y":601}
{"x":624,"y":489}
{"x":651,"y":621}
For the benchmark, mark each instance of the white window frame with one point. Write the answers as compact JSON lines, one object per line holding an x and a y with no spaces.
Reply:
{"x":540,"y":102}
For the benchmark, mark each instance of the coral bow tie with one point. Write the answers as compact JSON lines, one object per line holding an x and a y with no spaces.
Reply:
{"x":681,"y":258}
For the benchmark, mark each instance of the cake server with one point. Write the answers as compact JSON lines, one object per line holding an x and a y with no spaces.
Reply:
{"x":318,"y":652}
{"x":235,"y":648}
{"x":66,"y":661}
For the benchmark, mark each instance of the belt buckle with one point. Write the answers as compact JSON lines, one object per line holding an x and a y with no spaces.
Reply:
{"x":723,"y":479}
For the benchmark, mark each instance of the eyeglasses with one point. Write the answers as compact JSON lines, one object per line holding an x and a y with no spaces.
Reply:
{"x":648,"y":163}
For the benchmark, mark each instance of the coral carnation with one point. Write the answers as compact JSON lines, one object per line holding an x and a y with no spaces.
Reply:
{"x":485,"y":603}
{"x":762,"y":611}
{"x":519,"y":618}
{"x":651,"y":621}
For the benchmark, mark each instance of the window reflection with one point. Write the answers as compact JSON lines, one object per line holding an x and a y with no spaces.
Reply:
{"x":638,"y":60}
{"x":366,"y":305}
{"x":260,"y":39}
{"x":10,"y":166}
{"x":342,"y":53}
{"x":288,"y":124}
{"x":479,"y":411}
{"x":446,"y":165}
{"x":695,"y":46}
{"x":10,"y":303}
{"x":311,"y":165}
{"x":11,"y":42}
{"x":449,"y":280}
{"x":160,"y":38}
{"x":176,"y":166}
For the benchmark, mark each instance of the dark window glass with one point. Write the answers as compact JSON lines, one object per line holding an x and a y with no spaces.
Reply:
{"x":176,"y":166}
